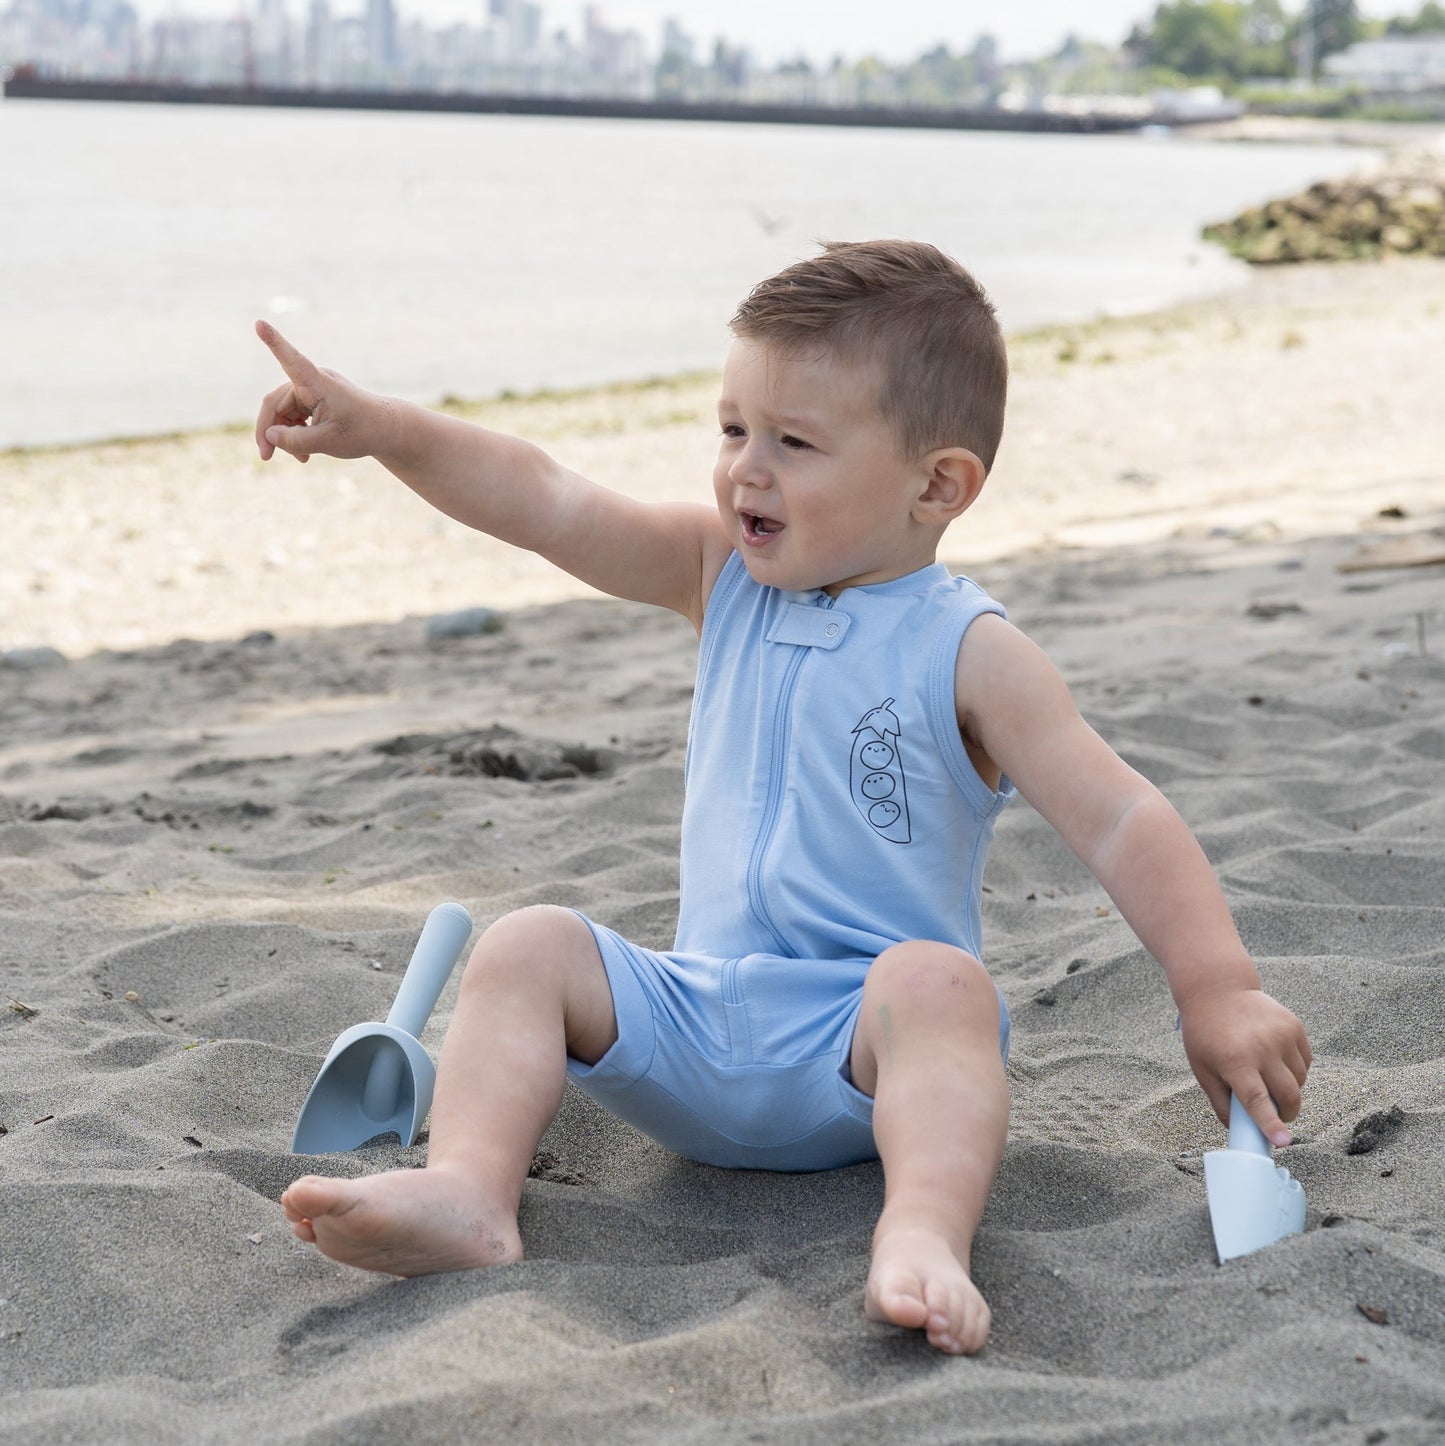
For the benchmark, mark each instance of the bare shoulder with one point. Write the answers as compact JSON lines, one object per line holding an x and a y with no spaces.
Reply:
{"x":1009,"y":696}
{"x":1015,"y":709}
{"x":1000,"y":666}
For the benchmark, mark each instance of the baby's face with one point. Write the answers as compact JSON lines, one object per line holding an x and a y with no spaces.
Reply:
{"x":810,"y":483}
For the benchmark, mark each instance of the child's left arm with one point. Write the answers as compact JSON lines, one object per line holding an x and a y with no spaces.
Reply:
{"x":1014,"y":707}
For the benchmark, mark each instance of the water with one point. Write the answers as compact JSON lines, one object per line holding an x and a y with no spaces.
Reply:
{"x":427,"y":254}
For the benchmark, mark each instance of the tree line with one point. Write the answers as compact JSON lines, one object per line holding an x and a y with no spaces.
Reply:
{"x":1241,"y":40}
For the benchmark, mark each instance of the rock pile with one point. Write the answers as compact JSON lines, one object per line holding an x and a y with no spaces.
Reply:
{"x":1398,"y":210}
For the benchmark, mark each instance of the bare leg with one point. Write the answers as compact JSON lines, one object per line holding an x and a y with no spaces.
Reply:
{"x":534,"y":990}
{"x":926,"y":1049}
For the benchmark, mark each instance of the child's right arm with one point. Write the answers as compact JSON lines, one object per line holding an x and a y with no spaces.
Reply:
{"x":666,"y":554}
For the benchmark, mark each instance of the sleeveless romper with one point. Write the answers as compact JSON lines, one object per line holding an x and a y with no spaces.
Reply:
{"x":831,"y":811}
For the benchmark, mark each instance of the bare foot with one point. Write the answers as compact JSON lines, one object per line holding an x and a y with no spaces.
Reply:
{"x":916,"y":1281}
{"x":405,"y":1222}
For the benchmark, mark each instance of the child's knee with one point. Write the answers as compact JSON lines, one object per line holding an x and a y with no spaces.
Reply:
{"x":932,"y":981}
{"x":536,"y":943}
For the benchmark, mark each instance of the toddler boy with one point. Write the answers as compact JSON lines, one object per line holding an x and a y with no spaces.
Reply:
{"x":861,"y":718}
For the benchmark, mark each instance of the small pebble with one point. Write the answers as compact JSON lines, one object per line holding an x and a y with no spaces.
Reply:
{"x":32,"y":660}
{"x":468,"y":623}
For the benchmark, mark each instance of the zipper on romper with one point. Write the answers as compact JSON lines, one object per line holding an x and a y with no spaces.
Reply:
{"x":782,"y":727}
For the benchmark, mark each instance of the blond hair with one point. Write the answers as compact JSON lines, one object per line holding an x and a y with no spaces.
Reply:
{"x":911,"y":312}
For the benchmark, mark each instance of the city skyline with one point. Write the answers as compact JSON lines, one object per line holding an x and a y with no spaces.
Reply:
{"x":816,"y":29}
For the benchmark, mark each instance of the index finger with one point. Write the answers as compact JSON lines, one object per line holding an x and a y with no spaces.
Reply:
{"x":1254,"y":1095}
{"x":300,"y":368}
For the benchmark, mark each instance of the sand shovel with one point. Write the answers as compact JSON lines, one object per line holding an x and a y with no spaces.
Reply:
{"x":1252,"y":1201}
{"x":378,"y":1079}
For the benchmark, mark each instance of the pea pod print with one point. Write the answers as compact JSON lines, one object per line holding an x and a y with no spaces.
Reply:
{"x":875,"y":774}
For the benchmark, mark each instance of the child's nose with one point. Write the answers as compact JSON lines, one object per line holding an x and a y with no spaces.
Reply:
{"x":749,"y":468}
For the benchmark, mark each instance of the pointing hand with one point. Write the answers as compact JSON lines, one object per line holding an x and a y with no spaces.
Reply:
{"x":315,"y":409}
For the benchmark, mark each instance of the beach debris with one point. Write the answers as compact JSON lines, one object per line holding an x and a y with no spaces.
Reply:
{"x":69,"y":811}
{"x":1375,"y":1130}
{"x":1375,"y":1314}
{"x":25,"y":1011}
{"x":192,"y":1140}
{"x":1267,"y":610}
{"x":1396,"y":211}
{"x":498,"y":752}
{"x":33,"y":660}
{"x":131,"y":997}
{"x":466,"y":623}
{"x":1424,"y":551}
{"x":257,"y":1238}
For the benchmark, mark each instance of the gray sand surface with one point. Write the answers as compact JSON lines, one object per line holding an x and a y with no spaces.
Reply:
{"x":215,"y":855}
{"x":245,"y":836}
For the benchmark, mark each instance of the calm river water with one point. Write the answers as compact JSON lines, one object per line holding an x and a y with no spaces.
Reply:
{"x":427,"y":254}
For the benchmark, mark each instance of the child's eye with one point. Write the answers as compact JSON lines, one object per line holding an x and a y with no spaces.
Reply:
{"x":732,"y":429}
{"x":797,"y":444}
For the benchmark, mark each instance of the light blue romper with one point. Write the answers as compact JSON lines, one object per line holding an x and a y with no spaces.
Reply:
{"x":831,"y":811}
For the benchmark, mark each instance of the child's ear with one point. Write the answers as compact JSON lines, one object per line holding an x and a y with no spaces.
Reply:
{"x":955,"y":478}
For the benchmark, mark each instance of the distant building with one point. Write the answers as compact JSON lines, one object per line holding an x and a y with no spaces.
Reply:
{"x":380,"y":34}
{"x":320,"y":44}
{"x":1394,"y":65}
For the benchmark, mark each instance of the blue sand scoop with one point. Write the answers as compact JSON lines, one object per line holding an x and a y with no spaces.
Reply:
{"x":1252,"y":1201}
{"x":378,"y":1080}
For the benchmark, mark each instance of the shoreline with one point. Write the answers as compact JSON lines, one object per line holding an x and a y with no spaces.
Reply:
{"x":1260,"y":411}
{"x":21,"y":86}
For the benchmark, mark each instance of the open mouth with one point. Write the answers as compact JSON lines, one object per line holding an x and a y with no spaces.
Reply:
{"x":759,"y":529}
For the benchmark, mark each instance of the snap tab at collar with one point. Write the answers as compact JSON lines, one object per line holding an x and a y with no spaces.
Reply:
{"x":809,"y":627}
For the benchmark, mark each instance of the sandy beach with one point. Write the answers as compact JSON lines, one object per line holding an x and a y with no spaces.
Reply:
{"x":228,"y":805}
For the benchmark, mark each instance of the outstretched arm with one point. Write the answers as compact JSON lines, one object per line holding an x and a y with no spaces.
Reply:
{"x":667,"y":554}
{"x":1015,"y":707}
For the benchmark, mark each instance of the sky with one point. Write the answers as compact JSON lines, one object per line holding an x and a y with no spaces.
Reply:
{"x":819,"y":29}
{"x":902,"y":29}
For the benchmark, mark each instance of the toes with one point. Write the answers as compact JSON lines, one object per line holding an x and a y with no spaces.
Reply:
{"x":314,"y":1195}
{"x":957,"y":1320}
{"x":897,"y":1299}
{"x":945,"y":1310}
{"x":905,"y":1306}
